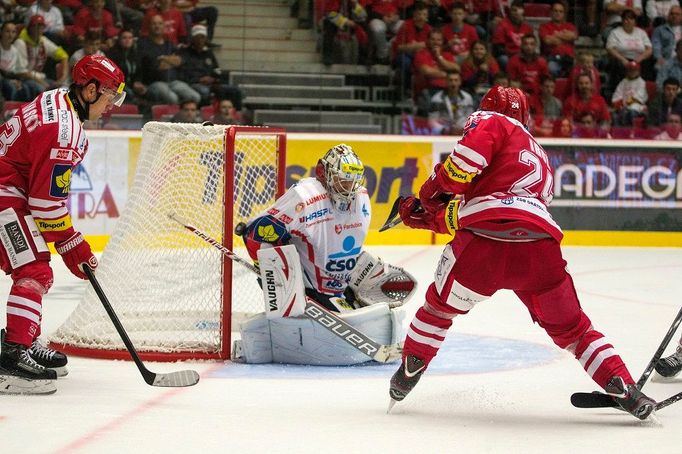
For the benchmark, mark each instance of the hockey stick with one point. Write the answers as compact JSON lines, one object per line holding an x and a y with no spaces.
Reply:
{"x":598,"y":399}
{"x":329,"y":321}
{"x":393,"y":217}
{"x":171,"y":380}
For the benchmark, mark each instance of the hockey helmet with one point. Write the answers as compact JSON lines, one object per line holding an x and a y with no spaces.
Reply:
{"x":511,"y":102}
{"x":341,"y":172}
{"x":104,"y":73}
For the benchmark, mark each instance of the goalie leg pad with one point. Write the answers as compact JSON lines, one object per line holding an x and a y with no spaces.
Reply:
{"x":297,"y":340}
{"x":282,"y":277}
{"x":375,"y":281}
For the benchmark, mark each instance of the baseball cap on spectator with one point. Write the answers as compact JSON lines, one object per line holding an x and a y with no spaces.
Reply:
{"x":36,"y":20}
{"x":199,"y":30}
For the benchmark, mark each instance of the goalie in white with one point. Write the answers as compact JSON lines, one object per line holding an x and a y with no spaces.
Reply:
{"x":326,"y":219}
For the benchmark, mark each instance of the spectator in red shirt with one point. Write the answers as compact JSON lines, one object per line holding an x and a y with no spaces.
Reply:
{"x":410,"y":39}
{"x":431,"y":65}
{"x":545,"y":108}
{"x":585,"y":65}
{"x":174,"y":29}
{"x":384,"y":23}
{"x":95,"y":19}
{"x":558,"y":41}
{"x":195,"y":14}
{"x":587,"y":101}
{"x":343,"y":36}
{"x":508,"y":33}
{"x":527,"y":67}
{"x":458,"y":35}
{"x":479,"y":70}
{"x":483,"y":14}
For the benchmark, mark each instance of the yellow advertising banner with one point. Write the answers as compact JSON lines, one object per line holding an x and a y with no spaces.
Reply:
{"x":392,"y":167}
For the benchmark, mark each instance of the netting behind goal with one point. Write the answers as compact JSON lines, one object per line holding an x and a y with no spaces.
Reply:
{"x":174,"y":293}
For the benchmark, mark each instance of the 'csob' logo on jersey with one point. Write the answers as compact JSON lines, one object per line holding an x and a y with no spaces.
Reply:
{"x":61,"y":180}
{"x":346,"y":259}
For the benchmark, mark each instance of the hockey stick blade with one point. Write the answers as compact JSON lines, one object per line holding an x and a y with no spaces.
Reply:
{"x":592,"y":400}
{"x":313,"y":311}
{"x":393,"y":217}
{"x":174,"y":379}
{"x":601,"y":400}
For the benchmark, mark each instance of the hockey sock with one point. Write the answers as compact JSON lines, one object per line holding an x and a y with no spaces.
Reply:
{"x":600,"y":360}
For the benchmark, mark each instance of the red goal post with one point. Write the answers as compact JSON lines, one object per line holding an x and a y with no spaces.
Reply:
{"x":177,"y":297}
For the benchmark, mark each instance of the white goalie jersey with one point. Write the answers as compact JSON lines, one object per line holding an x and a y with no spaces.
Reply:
{"x":328,"y":241}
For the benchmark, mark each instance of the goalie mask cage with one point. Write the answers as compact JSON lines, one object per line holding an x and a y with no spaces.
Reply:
{"x":175,"y":294}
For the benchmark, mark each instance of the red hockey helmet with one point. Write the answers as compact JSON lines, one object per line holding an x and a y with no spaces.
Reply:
{"x":511,"y":102}
{"x":102,"y":71}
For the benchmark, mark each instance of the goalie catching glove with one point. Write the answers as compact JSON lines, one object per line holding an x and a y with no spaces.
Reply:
{"x":374,"y":281}
{"x":444,"y":220}
{"x":75,"y":252}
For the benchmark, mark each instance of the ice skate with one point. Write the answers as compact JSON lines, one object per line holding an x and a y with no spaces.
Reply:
{"x":630,"y":398}
{"x":20,"y":374}
{"x":45,"y":356}
{"x":49,"y":358}
{"x":405,"y":378}
{"x":670,"y":366}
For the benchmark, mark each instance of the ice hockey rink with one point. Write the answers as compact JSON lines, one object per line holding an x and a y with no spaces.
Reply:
{"x":499,"y":385}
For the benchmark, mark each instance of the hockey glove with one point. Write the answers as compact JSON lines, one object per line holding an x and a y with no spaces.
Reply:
{"x":75,"y":252}
{"x":433,"y":197}
{"x":442,"y":221}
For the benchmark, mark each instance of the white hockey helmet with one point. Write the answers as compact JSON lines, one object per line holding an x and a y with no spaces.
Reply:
{"x":341,"y":172}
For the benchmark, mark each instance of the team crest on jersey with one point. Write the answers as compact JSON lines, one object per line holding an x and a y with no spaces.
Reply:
{"x":268,"y":233}
{"x":60,"y":181}
{"x":338,"y":228}
{"x":299,"y":207}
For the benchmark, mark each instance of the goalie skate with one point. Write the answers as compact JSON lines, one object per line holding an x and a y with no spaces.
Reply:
{"x":20,"y":374}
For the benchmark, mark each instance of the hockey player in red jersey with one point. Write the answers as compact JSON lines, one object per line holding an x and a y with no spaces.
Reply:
{"x":493,"y":191}
{"x":40,"y":146}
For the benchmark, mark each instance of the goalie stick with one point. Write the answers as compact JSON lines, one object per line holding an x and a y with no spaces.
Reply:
{"x":328,"y":320}
{"x":598,"y":399}
{"x":171,"y":380}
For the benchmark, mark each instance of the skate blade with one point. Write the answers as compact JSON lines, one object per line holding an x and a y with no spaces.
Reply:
{"x":391,"y":404}
{"x":21,"y":386}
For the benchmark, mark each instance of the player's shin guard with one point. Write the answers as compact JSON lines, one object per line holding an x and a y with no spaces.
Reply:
{"x":24,"y":311}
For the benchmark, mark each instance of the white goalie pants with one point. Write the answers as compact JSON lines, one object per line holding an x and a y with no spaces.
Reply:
{"x":299,"y":340}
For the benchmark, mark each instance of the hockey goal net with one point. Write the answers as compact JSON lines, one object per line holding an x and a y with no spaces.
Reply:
{"x":176,"y":295}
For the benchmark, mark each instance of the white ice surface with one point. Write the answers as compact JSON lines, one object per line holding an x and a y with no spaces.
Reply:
{"x":498,"y":386}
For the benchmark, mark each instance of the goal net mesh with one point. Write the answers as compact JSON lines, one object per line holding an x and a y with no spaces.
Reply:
{"x":165,"y":284}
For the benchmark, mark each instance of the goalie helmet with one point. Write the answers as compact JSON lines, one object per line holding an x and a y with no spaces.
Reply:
{"x":104,"y":73}
{"x":511,"y":102}
{"x":341,"y":172}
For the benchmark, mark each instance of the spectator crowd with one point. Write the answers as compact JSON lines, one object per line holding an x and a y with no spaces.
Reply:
{"x":446,"y":53}
{"x":164,"y":48}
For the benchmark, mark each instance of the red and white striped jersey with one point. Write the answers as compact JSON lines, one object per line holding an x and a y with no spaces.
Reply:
{"x":505,"y":179}
{"x":39,"y":147}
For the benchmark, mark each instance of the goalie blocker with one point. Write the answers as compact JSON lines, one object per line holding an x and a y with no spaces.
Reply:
{"x":280,"y":334}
